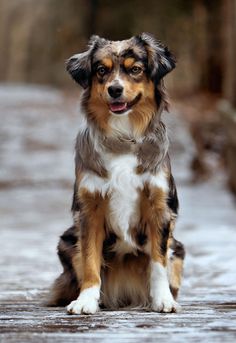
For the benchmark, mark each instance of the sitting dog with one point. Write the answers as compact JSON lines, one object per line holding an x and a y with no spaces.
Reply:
{"x":121,"y":252}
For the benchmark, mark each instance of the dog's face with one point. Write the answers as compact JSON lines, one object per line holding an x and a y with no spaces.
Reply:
{"x":119,"y":77}
{"x":122,"y":76}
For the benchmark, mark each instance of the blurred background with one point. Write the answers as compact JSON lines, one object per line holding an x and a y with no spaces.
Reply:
{"x":39,"y":121}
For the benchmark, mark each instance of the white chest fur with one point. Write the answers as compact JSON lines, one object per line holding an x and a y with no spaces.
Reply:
{"x":123,"y":188}
{"x":123,"y":212}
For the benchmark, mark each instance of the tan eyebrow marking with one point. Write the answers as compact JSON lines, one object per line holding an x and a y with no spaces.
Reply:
{"x":107,"y":62}
{"x":128,"y":62}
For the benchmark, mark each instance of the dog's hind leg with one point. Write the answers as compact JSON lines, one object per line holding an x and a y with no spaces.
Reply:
{"x":175,"y":266}
{"x":66,"y":286}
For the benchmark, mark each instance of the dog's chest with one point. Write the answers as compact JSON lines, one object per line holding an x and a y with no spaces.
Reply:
{"x":124,"y":188}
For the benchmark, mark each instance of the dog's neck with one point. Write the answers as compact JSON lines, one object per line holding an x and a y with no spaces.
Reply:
{"x":120,"y":127}
{"x":151,"y":148}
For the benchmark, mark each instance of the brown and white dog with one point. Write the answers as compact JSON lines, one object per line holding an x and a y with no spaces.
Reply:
{"x":120,"y":251}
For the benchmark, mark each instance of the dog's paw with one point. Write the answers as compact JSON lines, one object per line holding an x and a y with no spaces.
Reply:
{"x":87,"y":302}
{"x":164,"y":302}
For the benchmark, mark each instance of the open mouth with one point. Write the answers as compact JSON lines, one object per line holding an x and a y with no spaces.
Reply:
{"x":120,"y":107}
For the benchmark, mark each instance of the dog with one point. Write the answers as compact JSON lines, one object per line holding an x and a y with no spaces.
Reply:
{"x":120,"y":251}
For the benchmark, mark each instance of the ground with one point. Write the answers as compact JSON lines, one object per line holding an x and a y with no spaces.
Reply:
{"x":37,"y":134}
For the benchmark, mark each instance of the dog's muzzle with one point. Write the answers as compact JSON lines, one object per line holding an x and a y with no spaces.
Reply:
{"x":120,"y":107}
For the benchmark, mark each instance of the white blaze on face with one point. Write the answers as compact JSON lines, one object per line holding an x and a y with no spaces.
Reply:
{"x":119,"y":46}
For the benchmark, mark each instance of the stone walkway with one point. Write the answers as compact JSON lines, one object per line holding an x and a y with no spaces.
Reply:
{"x":37,"y":133}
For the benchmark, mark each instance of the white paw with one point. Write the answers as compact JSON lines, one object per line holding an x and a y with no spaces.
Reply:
{"x":87,"y":302}
{"x":164,"y":302}
{"x":162,"y":299}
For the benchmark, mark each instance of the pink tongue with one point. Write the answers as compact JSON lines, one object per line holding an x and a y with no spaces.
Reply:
{"x":119,"y":106}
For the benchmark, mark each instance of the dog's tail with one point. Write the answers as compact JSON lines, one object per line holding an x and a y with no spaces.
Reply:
{"x":66,"y":287}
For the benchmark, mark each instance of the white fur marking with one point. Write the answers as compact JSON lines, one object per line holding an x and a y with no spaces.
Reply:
{"x":159,"y":180}
{"x":123,"y":190}
{"x":118,"y":79}
{"x":122,"y":186}
{"x":120,"y":45}
{"x":87,"y":301}
{"x":120,"y":124}
{"x":92,"y":183}
{"x":162,"y":299}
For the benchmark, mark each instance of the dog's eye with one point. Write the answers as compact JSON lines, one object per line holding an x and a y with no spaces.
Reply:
{"x":101,"y":71}
{"x":136,"y":70}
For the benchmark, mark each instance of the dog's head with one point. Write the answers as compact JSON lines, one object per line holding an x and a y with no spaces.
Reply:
{"x":122,"y":77}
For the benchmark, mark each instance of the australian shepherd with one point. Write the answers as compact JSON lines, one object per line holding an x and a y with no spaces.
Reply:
{"x":121,"y":252}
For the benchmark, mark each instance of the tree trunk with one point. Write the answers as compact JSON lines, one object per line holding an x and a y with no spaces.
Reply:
{"x":228,"y":111}
{"x":229,"y":32}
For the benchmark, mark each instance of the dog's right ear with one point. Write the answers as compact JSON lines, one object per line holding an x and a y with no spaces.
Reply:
{"x":160,"y":60}
{"x":79,"y":65}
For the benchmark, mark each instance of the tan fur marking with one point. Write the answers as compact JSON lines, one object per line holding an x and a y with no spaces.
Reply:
{"x":175,"y":275}
{"x":107,"y":62}
{"x":87,"y":261}
{"x":98,"y":110}
{"x":118,"y":290}
{"x":128,"y":62}
{"x":141,"y":115}
{"x":77,"y":263}
{"x":153,"y":213}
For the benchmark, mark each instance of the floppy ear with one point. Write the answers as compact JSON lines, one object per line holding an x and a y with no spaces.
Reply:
{"x":160,"y":59}
{"x":79,"y":65}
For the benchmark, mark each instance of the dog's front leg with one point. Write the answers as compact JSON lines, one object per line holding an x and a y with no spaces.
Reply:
{"x":162,"y":299}
{"x":92,"y":235}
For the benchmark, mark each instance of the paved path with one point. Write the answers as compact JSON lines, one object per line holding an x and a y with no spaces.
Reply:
{"x":37,"y":132}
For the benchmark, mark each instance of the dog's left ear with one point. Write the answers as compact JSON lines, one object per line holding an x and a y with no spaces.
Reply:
{"x":160,"y":60}
{"x":79,"y":65}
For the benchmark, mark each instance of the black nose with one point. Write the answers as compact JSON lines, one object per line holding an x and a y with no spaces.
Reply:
{"x":115,"y":91}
